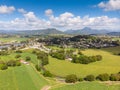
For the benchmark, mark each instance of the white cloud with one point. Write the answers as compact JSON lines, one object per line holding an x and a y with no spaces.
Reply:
{"x":21,"y":10}
{"x":6,"y":9}
{"x":69,"y":21}
{"x":48,"y":12}
{"x":64,"y":21}
{"x":111,"y":5}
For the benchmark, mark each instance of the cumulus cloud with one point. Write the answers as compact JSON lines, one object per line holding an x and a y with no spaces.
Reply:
{"x":21,"y":10}
{"x":69,"y":21}
{"x":48,"y":12}
{"x":6,"y":9}
{"x":64,"y":21}
{"x":110,"y":5}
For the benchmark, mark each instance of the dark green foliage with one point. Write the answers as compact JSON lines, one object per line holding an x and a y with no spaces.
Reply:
{"x":115,"y":77}
{"x":80,"y":79}
{"x":4,"y":67}
{"x":47,"y":74}
{"x":18,"y":63}
{"x":38,"y":67}
{"x":18,"y":51}
{"x":71,"y":78}
{"x":4,"y":53}
{"x":98,"y":57}
{"x":80,"y":53}
{"x":28,"y":58}
{"x":60,"y":54}
{"x":83,"y":59}
{"x":34,"y":52}
{"x":18,"y":56}
{"x":89,"y":78}
{"x":11,"y":63}
{"x":103,"y":77}
{"x":43,"y":57}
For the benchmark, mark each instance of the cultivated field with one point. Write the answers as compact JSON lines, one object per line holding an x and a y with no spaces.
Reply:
{"x":21,"y":78}
{"x":109,"y":64}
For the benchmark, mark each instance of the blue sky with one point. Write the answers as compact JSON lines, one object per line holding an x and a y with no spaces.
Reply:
{"x":90,"y":9}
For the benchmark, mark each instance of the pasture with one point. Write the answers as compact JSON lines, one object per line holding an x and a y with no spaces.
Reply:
{"x":21,"y":78}
{"x":109,"y":64}
{"x":12,"y":39}
{"x":87,"y":86}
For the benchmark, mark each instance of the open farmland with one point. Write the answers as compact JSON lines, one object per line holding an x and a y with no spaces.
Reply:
{"x":109,"y":64}
{"x":88,"y":86}
{"x":21,"y":78}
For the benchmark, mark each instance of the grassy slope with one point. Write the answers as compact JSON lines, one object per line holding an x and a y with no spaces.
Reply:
{"x":113,"y":50}
{"x":88,"y":86}
{"x":21,"y":78}
{"x":109,"y":64}
{"x":23,"y":56}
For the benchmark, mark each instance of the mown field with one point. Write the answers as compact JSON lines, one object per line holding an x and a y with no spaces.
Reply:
{"x":109,"y":64}
{"x":21,"y":78}
{"x":88,"y":86}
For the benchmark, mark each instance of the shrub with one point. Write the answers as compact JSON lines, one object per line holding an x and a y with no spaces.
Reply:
{"x":71,"y":78}
{"x":18,"y":56}
{"x":11,"y":63}
{"x":115,"y":77}
{"x":28,"y":58}
{"x":34,"y":52}
{"x":18,"y":63}
{"x":38,"y":67}
{"x":89,"y":78}
{"x":18,"y":51}
{"x":103,"y":77}
{"x":47,"y":74}
{"x":80,"y":53}
{"x":80,"y":79}
{"x":4,"y":67}
{"x":99,"y":57}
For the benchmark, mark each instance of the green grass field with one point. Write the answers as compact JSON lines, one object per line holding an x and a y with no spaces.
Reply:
{"x":23,"y":56}
{"x":12,"y":39}
{"x":109,"y":64}
{"x":88,"y":86}
{"x":21,"y":78}
{"x":113,"y":50}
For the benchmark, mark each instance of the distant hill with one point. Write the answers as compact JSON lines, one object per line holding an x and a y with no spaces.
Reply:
{"x":41,"y":32}
{"x":33,"y":32}
{"x":86,"y":31}
{"x":114,"y":33}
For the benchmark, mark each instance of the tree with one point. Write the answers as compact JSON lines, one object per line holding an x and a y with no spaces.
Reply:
{"x":11,"y":63}
{"x":18,"y":56}
{"x":38,"y":67}
{"x":89,"y":78}
{"x":28,"y":58}
{"x":43,"y":57}
{"x":71,"y":78}
{"x":47,"y":74}
{"x":4,"y":67}
{"x":115,"y":77}
{"x":103,"y":77}
{"x":18,"y":63}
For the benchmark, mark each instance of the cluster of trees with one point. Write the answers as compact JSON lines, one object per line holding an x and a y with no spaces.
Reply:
{"x":102,"y":77}
{"x":4,"y":53}
{"x":83,"y":59}
{"x":59,"y":54}
{"x":11,"y":63}
{"x":42,"y":57}
{"x":62,"y":54}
